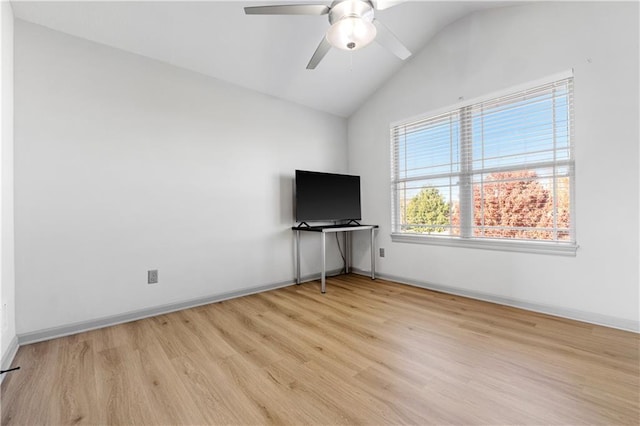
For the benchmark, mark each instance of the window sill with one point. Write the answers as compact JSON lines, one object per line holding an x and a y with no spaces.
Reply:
{"x":537,"y":247}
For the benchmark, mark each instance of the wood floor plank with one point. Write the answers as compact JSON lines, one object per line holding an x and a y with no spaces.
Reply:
{"x":313,"y":335}
{"x":28,"y":400}
{"x":366,"y":352}
{"x":120,"y":389}
{"x":210,"y":339}
{"x":74,"y":390}
{"x":164,"y":390}
{"x":211,"y":391}
{"x":243,"y":340}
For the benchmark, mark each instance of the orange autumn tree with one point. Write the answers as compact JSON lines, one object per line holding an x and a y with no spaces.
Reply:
{"x":508,"y":202}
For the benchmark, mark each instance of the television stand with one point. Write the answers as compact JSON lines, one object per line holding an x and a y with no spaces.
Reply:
{"x":348,"y":229}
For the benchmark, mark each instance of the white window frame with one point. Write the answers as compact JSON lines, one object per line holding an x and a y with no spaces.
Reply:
{"x":565,"y":248}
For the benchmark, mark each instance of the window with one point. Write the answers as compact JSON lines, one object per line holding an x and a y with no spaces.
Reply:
{"x":496,"y":174}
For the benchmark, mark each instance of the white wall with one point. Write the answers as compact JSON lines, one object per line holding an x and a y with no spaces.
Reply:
{"x":124,"y":164}
{"x":493,"y":50}
{"x":7,"y":270}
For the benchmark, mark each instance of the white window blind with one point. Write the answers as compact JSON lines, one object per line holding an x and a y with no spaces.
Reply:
{"x":498,"y":169}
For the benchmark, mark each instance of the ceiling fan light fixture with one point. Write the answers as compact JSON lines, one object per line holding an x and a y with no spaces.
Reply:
{"x":351,"y":33}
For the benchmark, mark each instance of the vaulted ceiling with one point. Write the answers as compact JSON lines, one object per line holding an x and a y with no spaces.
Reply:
{"x":268,"y":54}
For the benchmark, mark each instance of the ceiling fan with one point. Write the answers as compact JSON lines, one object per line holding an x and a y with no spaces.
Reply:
{"x":353,"y":25}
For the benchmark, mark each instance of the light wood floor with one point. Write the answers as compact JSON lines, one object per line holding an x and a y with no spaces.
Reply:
{"x":366,"y":352}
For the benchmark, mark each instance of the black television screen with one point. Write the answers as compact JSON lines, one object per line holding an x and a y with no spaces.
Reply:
{"x":326,"y":196}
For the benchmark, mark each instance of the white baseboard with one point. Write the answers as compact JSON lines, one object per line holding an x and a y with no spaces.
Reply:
{"x":65,"y":330}
{"x":574,"y":314}
{"x":8,"y":356}
{"x":79,"y":327}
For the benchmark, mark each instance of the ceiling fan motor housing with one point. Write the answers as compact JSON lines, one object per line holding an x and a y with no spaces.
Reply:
{"x":351,"y":24}
{"x":351,"y":8}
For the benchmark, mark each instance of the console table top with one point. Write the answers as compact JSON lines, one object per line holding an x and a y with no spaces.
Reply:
{"x":333,"y":228}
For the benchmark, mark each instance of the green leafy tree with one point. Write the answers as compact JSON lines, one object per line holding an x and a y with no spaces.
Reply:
{"x":427,"y":208}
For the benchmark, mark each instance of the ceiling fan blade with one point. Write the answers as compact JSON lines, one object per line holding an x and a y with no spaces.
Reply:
{"x":288,"y":9}
{"x":385,"y":4}
{"x":321,"y":50}
{"x":390,"y":42}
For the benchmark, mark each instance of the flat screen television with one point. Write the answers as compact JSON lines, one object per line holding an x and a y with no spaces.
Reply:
{"x":324,"y":197}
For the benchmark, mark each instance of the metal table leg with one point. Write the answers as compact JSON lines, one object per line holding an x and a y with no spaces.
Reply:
{"x":373,"y":256}
{"x":297,"y":257}
{"x":324,"y":261}
{"x":347,"y":252}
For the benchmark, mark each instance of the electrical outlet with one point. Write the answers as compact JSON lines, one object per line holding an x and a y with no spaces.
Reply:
{"x":152,"y":276}
{"x":381,"y":252}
